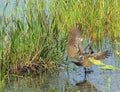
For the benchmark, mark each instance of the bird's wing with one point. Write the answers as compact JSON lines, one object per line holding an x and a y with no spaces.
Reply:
{"x":75,"y":39}
{"x":101,"y":55}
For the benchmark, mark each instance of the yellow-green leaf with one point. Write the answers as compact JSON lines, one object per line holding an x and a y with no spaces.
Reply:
{"x":102,"y":65}
{"x":108,"y":67}
{"x":96,"y":62}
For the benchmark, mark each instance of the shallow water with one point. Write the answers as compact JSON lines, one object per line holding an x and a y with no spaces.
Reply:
{"x":72,"y":79}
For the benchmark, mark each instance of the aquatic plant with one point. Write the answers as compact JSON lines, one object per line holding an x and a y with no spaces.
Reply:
{"x":33,"y":30}
{"x":103,"y":65}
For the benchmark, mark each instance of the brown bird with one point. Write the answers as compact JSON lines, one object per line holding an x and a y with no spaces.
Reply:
{"x":75,"y":51}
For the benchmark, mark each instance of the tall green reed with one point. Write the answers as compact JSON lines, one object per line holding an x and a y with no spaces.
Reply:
{"x":39,"y":28}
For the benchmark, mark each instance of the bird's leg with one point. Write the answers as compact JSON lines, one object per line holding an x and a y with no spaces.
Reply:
{"x":86,"y":72}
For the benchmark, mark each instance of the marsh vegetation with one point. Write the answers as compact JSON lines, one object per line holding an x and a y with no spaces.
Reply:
{"x":33,"y":35}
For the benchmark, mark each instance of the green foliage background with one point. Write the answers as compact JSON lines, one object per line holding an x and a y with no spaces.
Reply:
{"x":40,"y":27}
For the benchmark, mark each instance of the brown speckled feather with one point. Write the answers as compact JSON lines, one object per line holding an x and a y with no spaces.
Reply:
{"x":74,"y":49}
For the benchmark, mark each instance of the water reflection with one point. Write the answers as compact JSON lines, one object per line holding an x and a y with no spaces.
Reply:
{"x":61,"y":81}
{"x":70,"y":80}
{"x":85,"y":86}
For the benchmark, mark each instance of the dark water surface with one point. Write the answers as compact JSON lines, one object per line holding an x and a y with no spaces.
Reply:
{"x":72,"y":79}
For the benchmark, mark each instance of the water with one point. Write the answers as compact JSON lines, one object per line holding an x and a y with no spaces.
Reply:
{"x":71,"y":79}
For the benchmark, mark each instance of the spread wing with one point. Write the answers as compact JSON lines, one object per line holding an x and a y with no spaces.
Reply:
{"x":101,"y":55}
{"x":74,"y":41}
